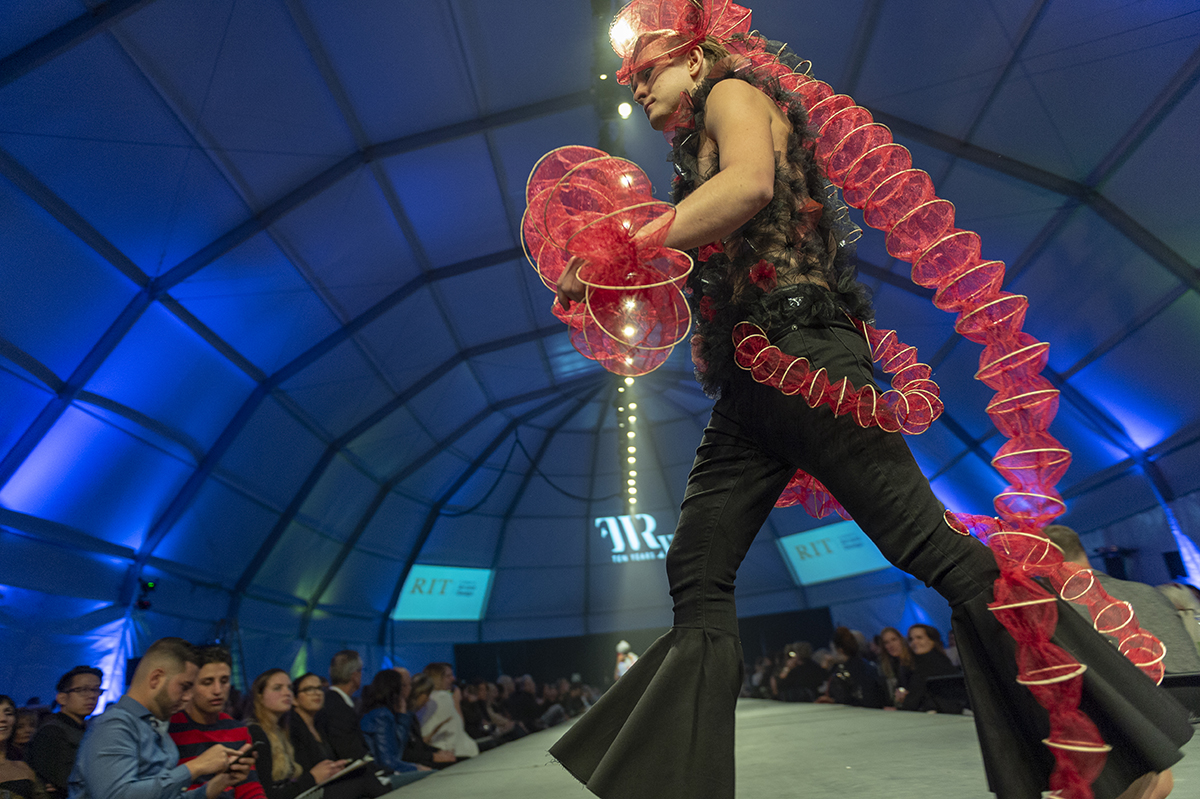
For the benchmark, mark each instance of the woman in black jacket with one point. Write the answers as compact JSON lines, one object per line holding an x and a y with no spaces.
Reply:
{"x":928,"y":660}
{"x":280,"y":772}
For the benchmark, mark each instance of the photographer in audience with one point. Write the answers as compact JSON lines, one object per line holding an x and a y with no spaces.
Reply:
{"x":800,"y":678}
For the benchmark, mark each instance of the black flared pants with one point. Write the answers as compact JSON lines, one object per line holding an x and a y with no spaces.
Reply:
{"x":666,"y":728}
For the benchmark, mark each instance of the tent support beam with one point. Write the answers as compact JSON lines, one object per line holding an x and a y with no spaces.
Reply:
{"x":386,"y":489}
{"x":60,"y":40}
{"x":345,"y":440}
{"x":519,"y":494}
{"x":435,"y":511}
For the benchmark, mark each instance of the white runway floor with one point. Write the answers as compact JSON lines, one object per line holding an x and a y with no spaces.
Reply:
{"x":785,"y":751}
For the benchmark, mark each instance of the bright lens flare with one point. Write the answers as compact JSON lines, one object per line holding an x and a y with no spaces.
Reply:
{"x":622,"y":35}
{"x":629,"y":331}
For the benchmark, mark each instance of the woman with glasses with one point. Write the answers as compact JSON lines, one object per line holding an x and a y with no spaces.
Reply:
{"x":310,"y":747}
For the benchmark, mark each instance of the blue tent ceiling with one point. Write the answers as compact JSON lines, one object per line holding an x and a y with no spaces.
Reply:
{"x":267,"y":330}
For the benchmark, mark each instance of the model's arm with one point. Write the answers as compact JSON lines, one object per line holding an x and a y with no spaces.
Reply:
{"x":738,"y":120}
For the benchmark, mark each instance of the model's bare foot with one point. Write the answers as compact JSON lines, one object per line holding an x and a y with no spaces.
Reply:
{"x":1155,"y":785}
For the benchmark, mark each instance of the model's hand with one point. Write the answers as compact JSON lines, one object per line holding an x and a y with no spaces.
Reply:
{"x":444,"y":756}
{"x":239,"y":770}
{"x":423,"y":768}
{"x":569,"y":287}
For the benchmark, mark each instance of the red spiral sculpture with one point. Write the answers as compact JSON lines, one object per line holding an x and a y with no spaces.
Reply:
{"x":912,"y":404}
{"x":876,"y":175}
{"x":629,"y":271}
{"x":583,"y":202}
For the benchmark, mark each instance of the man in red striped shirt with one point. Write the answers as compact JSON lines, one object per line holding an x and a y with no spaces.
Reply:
{"x":203,"y":721}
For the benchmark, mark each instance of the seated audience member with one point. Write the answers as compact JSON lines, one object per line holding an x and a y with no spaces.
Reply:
{"x":387,"y":725}
{"x":759,"y":682}
{"x":52,"y":751}
{"x":504,"y":728}
{"x":441,"y":718}
{"x":203,"y":722}
{"x":577,"y":702}
{"x":475,"y":716}
{"x":800,"y":678}
{"x":308,"y":699}
{"x":1154,"y":612}
{"x":16,"y":777}
{"x":27,"y":724}
{"x":853,"y":680}
{"x":1186,"y":601}
{"x":522,"y":703}
{"x":281,"y":776}
{"x":895,"y":661}
{"x":929,"y":660}
{"x":507,"y":687}
{"x":338,"y":718}
{"x":419,"y":748}
{"x":126,"y":753}
{"x":952,"y":650}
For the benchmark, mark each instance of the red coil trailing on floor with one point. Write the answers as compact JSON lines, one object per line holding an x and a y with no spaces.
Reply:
{"x":876,"y":175}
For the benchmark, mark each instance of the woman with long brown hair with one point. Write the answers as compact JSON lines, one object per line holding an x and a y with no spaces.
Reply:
{"x":281,"y":775}
{"x":895,"y":661}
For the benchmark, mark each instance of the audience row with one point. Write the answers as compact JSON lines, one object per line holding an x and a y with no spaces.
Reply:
{"x":890,"y":672}
{"x":295,"y":735}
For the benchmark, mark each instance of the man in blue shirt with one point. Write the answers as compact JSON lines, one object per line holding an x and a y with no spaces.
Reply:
{"x":127,"y":753}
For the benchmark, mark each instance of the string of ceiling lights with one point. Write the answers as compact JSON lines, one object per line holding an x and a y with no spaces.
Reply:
{"x":627,"y":421}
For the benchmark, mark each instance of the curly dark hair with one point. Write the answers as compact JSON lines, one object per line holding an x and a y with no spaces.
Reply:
{"x":799,"y":252}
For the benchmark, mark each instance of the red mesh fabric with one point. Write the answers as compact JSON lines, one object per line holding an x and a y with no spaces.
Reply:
{"x":583,"y":202}
{"x":876,"y":174}
{"x":910,"y":406}
{"x":809,"y":493}
{"x":648,"y":31}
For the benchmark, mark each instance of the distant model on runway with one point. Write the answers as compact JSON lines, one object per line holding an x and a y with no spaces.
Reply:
{"x":781,"y":320}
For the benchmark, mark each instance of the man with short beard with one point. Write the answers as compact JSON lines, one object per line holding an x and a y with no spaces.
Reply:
{"x":126,"y":752}
{"x":52,"y":751}
{"x":203,"y":723}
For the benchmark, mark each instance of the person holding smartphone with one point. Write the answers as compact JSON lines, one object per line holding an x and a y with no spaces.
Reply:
{"x":202,"y":722}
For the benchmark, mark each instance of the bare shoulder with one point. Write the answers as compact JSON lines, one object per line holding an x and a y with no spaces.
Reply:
{"x":736,"y":93}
